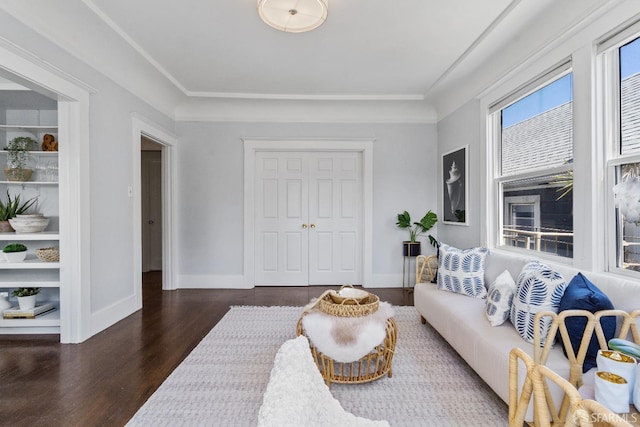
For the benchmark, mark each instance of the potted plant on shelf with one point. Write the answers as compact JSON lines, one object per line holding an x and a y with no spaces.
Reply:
{"x":15,"y":252}
{"x":411,"y":247}
{"x":26,"y":297}
{"x":10,"y":208}
{"x":18,"y":156}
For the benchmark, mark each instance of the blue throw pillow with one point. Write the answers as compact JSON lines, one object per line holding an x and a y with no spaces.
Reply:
{"x":538,"y":288}
{"x":462,"y":271}
{"x":581,"y":294}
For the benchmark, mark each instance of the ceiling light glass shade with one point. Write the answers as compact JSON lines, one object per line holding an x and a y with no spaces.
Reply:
{"x":293,"y":16}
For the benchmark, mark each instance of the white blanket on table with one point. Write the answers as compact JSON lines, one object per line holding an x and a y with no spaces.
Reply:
{"x":347,"y":339}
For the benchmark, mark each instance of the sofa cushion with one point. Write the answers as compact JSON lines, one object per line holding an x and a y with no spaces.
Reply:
{"x":582,"y":294}
{"x":499,"y":299}
{"x":462,"y":271}
{"x":538,"y":288}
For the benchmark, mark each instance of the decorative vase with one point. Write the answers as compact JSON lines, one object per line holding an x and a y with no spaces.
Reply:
{"x":5,"y":227}
{"x":15,"y":256}
{"x":411,"y":248}
{"x":27,"y":303}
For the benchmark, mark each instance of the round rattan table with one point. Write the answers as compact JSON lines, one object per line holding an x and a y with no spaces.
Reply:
{"x":372,"y":366}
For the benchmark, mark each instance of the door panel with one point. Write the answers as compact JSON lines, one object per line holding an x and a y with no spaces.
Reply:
{"x":308,"y":218}
{"x":151,"y":181}
{"x":281,"y":210}
{"x":335,"y":204}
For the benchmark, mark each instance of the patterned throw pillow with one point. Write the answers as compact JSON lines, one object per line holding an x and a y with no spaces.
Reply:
{"x":462,"y":271}
{"x":539,"y":288}
{"x":499,"y":298}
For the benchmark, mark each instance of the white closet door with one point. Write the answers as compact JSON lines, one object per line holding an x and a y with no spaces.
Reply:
{"x":308,"y":218}
{"x":282,"y":238}
{"x":335,"y":206}
{"x":151,"y":171}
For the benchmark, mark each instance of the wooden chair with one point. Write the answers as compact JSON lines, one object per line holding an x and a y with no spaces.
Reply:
{"x":545,"y":411}
{"x":426,"y":268}
{"x":577,"y":412}
{"x":628,"y":329}
{"x":591,"y":413}
{"x":519,"y":399}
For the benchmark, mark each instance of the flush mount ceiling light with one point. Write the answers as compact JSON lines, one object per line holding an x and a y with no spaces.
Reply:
{"x":293,"y":16}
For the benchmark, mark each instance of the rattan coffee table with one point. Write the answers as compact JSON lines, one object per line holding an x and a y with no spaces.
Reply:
{"x":372,"y":366}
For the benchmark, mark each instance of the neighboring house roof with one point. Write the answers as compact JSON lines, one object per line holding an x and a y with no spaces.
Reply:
{"x":540,"y":142}
{"x":630,"y":104}
{"x":545,"y":140}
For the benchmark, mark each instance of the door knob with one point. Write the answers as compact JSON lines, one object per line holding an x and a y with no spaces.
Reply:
{"x":150,"y":221}
{"x":313,"y":226}
{"x":304,"y":225}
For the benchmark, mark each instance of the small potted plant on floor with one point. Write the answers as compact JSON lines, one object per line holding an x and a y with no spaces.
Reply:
{"x":411,"y":247}
{"x":26,"y":297}
{"x":14,"y":252}
{"x":10,"y":208}
{"x":18,"y":156}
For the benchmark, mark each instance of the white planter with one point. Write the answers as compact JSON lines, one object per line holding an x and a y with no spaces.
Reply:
{"x":15,"y":256}
{"x":27,"y":303}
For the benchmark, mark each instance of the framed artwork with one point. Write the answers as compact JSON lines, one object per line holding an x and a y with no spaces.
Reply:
{"x":455,"y":182}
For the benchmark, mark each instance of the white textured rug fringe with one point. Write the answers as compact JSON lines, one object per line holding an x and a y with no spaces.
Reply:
{"x":222,"y":381}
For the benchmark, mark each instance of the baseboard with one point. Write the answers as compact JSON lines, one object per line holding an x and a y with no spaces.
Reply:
{"x":108,"y":316}
{"x":385,"y":281}
{"x":194,"y":281}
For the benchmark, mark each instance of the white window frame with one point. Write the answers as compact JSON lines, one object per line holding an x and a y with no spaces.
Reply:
{"x":609,"y":133}
{"x":494,"y":135}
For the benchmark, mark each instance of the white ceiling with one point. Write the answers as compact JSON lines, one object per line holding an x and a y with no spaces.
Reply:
{"x":372,"y":60}
{"x":367,"y":49}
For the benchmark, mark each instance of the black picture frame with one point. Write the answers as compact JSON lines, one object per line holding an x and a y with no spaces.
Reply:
{"x":455,"y":184}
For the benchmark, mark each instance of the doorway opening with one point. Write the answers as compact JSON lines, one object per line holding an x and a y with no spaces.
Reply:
{"x":158,"y":247}
{"x":151,"y":194}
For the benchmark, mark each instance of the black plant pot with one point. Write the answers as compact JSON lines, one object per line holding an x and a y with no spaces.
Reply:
{"x":411,"y":249}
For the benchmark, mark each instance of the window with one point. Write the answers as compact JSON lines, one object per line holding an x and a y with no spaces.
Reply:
{"x":624,"y":149}
{"x":534,"y":140}
{"x":629,"y":87}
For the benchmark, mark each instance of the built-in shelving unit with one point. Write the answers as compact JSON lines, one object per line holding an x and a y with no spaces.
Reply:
{"x":27,"y":113}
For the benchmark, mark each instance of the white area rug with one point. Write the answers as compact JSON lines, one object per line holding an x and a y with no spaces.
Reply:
{"x":222,"y":381}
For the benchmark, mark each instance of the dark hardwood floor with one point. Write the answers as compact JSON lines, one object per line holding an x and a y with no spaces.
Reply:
{"x":103,"y":381}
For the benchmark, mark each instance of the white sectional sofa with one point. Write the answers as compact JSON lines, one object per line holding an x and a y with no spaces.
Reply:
{"x":461,"y":319}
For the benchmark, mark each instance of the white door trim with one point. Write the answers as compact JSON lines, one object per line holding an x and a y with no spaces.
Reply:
{"x":73,"y":98}
{"x":141,"y":126}
{"x":252,"y":145}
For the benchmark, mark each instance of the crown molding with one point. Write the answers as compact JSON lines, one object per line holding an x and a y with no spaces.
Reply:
{"x":304,"y":111}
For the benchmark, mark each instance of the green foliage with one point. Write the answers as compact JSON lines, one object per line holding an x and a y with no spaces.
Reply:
{"x":12,"y":206}
{"x":14,"y":247}
{"x":566,"y":182}
{"x":18,"y":149}
{"x":417,"y":228}
{"x":25,"y":292}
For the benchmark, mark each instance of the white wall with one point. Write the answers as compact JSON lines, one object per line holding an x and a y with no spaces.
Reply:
{"x":109,"y":227}
{"x":210,"y":192}
{"x":457,"y":130}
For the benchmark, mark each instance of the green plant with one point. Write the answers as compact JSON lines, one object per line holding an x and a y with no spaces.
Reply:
{"x":418,"y":228}
{"x":12,"y":207}
{"x":25,"y":292}
{"x":14,"y":247}
{"x":18,"y":149}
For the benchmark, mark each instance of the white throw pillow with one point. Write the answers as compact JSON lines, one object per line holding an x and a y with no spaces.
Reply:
{"x":499,"y":298}
{"x":462,"y":271}
{"x":539,"y":288}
